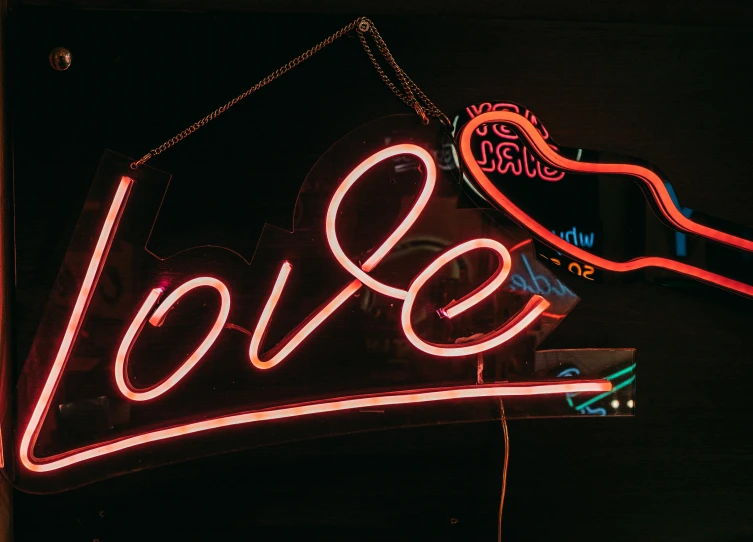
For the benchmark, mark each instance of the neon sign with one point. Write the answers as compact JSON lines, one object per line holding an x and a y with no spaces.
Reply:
{"x":471,"y":142}
{"x":509,"y":155}
{"x":586,"y":407}
{"x":166,"y":296}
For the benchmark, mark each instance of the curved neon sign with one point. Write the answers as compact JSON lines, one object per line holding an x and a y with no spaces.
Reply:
{"x":532,"y":310}
{"x":651,"y":180}
{"x":156,"y":319}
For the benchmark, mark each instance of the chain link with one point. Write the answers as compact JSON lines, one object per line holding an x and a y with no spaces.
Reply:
{"x":422,"y":105}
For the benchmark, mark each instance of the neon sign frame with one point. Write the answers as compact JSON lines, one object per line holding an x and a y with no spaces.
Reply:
{"x":651,"y":180}
{"x":534,"y":308}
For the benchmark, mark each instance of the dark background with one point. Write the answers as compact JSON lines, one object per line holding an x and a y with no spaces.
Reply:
{"x":668,"y":83}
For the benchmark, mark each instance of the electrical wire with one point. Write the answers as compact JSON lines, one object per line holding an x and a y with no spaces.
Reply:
{"x":410,"y":94}
{"x":504,"y":469}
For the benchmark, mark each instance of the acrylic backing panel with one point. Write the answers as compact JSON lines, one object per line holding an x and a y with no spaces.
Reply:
{"x":389,"y":299}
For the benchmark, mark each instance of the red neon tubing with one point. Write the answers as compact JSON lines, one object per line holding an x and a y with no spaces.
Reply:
{"x":490,"y":340}
{"x":533,"y":309}
{"x":307,"y":409}
{"x":121,"y":359}
{"x":82,"y":301}
{"x":101,"y":250}
{"x":297,"y":336}
{"x":478,"y":294}
{"x":644,"y":175}
{"x":362,"y":273}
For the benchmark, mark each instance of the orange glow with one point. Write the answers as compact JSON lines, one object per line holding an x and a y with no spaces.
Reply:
{"x":321,"y":407}
{"x":648,"y":177}
{"x":121,"y":360}
{"x":533,"y":309}
{"x":96,"y":263}
{"x":362,"y":273}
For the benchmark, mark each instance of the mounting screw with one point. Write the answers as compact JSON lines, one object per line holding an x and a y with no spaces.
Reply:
{"x":60,"y":59}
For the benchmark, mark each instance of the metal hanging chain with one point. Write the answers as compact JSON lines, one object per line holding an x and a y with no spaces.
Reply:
{"x":410,"y":93}
{"x":424,"y":107}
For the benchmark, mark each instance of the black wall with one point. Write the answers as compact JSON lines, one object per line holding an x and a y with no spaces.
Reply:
{"x":671,"y":89}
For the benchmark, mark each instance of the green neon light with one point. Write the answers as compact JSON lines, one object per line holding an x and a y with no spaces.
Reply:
{"x":610,"y":377}
{"x":607,"y":393}
{"x":569,"y":401}
{"x":620,"y":373}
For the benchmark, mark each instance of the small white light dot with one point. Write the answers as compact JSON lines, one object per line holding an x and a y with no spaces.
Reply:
{"x":615,"y":403}
{"x":630,"y":403}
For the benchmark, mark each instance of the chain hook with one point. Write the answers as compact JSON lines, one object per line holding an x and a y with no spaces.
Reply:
{"x":142,"y":160}
{"x":421,"y":112}
{"x":364,"y":24}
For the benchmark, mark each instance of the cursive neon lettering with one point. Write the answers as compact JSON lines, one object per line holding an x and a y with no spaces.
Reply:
{"x":74,"y":323}
{"x":534,"y":308}
{"x":296,"y":337}
{"x":293,"y":339}
{"x":362,"y":273}
{"x":157,"y":318}
{"x":508,"y":157}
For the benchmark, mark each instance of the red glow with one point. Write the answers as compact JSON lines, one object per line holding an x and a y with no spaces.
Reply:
{"x":490,"y":340}
{"x":479,"y":294}
{"x":332,"y":405}
{"x":82,"y":301}
{"x":362,"y":273}
{"x":533,"y":309}
{"x":510,"y":157}
{"x":121,"y":360}
{"x":655,"y":184}
{"x":521,"y":244}
{"x":290,"y":342}
{"x":296,"y":337}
